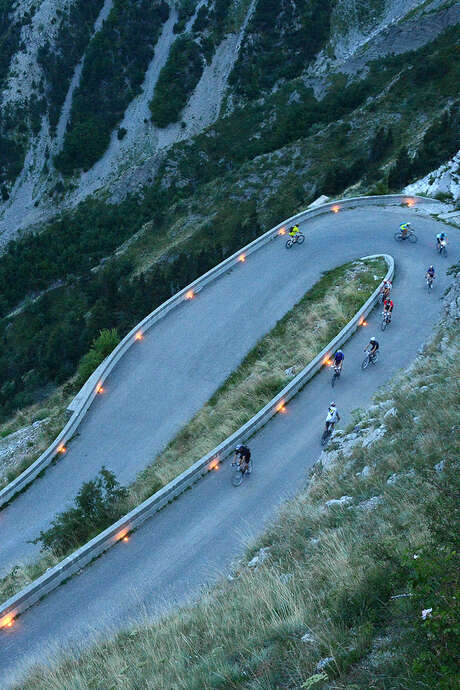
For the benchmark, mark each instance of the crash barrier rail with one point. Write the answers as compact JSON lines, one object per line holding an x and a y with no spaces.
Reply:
{"x":120,"y":530}
{"x":83,"y":400}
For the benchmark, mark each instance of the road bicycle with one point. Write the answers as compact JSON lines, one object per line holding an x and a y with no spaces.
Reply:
{"x":441,"y":248}
{"x":370,"y":359}
{"x":239,"y":473}
{"x":429,"y":283}
{"x":410,"y":235}
{"x":335,"y":375}
{"x":327,"y":433}
{"x":386,"y":319}
{"x":297,"y":239}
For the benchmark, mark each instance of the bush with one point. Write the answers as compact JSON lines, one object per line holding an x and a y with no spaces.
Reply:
{"x":100,"y":349}
{"x":176,"y":82}
{"x":97,"y":505}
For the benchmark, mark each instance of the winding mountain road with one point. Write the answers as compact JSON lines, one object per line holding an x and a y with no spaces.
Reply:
{"x":157,"y":388}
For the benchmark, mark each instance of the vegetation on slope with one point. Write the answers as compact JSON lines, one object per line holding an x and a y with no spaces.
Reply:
{"x":356,"y":594}
{"x":177,"y":81}
{"x":59,"y":60}
{"x":298,"y":337}
{"x":115,"y":65}
{"x":282,"y":39}
{"x":287,"y":152}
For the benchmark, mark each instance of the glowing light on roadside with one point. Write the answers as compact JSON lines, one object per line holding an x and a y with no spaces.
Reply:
{"x":122,"y":535}
{"x":327,"y":361}
{"x":410,"y":202}
{"x":139,"y":336}
{"x":214,"y":464}
{"x":281,"y":407}
{"x":242,"y":258}
{"x":7,"y":622}
{"x":100,"y":389}
{"x":189,"y":294}
{"x":282,"y":231}
{"x":61,"y":449}
{"x":335,"y":209}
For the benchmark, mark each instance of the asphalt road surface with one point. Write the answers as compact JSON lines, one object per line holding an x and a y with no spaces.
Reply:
{"x":159,"y":386}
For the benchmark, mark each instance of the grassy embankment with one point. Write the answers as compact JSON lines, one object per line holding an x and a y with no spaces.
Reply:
{"x":353,"y":595}
{"x":294,"y":341}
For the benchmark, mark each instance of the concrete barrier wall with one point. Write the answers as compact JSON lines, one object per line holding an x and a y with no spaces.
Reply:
{"x":53,"y":577}
{"x":85,"y":397}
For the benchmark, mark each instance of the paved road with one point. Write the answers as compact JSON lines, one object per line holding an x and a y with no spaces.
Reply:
{"x":193,"y":540}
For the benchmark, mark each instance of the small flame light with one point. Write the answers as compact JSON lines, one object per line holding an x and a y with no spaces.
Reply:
{"x":242,"y":258}
{"x":410,"y":202}
{"x":335,"y":209}
{"x":7,"y":622}
{"x":214,"y":464}
{"x":190,"y":294}
{"x":100,"y":389}
{"x":62,"y":449}
{"x":139,"y":336}
{"x":282,"y":231}
{"x":327,"y":361}
{"x":281,"y":407}
{"x":363,"y":322}
{"x":126,"y":538}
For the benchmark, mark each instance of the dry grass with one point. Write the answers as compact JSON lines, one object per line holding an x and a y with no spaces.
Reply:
{"x":293,"y":343}
{"x":331,"y":573}
{"x":53,"y":412}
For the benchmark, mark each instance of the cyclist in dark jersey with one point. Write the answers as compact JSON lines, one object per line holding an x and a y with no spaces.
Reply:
{"x":372,"y":347}
{"x":243,"y":455}
{"x":338,"y":359}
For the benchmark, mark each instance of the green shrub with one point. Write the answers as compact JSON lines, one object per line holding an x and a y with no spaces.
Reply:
{"x":115,"y":65}
{"x":100,"y":349}
{"x":96,"y":506}
{"x":177,"y":80}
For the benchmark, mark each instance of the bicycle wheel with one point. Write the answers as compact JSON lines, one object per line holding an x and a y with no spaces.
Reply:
{"x":413,"y":238}
{"x":237,"y":477}
{"x":325,"y":437}
{"x":365,"y":362}
{"x":288,"y":244}
{"x":398,"y":236}
{"x":383,"y":325}
{"x":300,"y":239}
{"x":375,"y":358}
{"x":335,"y":378}
{"x":444,"y":251}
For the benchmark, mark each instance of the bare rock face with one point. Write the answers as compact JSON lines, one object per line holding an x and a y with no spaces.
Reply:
{"x":452,"y":302}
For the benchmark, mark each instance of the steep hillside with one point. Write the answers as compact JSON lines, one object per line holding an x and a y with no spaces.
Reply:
{"x":95,"y":93}
{"x":194,"y":136}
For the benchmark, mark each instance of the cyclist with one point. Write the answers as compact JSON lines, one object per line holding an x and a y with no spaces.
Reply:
{"x":385,"y":290}
{"x":388,"y":307}
{"x":338,"y":360}
{"x":440,"y":237}
{"x":404,"y":228}
{"x":294,"y":231}
{"x":243,"y":458}
{"x":372,"y":347}
{"x":332,"y":417}
{"x":430,"y":273}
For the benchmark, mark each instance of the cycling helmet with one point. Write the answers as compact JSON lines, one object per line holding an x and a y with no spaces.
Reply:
{"x":373,"y":340}
{"x":332,"y":404}
{"x":407,"y":225}
{"x":339,"y":351}
{"x":239,"y":446}
{"x":431,"y":268}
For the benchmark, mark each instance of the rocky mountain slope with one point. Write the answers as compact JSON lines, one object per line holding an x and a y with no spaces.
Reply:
{"x":65,"y":135}
{"x":141,"y":142}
